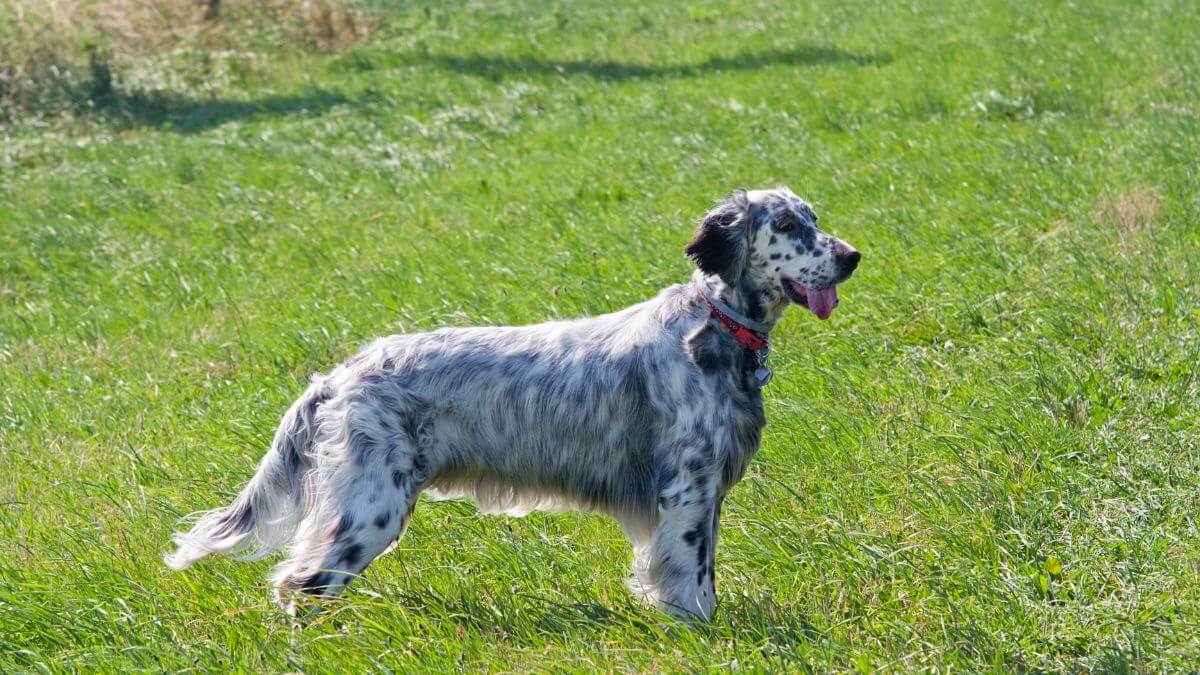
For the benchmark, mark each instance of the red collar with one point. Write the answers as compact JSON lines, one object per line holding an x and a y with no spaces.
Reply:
{"x":746,"y":337}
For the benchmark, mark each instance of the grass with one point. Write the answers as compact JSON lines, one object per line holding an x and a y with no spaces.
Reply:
{"x":59,"y":57}
{"x":986,"y":460}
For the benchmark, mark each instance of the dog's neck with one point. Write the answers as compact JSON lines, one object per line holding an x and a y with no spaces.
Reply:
{"x":748,"y":299}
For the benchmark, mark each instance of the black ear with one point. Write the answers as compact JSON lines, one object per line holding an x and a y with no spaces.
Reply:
{"x":720,"y":244}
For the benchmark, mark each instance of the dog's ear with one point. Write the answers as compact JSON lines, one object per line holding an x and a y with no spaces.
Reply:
{"x":721,"y":241}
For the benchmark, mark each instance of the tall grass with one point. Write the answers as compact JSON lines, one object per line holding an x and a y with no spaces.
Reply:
{"x":61,"y":54}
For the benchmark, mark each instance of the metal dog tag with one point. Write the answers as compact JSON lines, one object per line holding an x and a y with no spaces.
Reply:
{"x":763,"y":375}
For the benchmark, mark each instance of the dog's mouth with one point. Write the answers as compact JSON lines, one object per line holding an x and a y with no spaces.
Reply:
{"x":820,"y":302}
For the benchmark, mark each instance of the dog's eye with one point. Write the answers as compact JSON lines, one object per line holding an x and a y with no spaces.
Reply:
{"x":785,"y":225}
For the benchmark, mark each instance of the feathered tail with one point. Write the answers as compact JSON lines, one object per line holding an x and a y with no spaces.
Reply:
{"x":265,"y":515}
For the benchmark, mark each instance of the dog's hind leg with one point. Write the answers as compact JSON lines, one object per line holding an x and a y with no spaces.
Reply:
{"x":366,"y":488}
{"x":337,"y":543}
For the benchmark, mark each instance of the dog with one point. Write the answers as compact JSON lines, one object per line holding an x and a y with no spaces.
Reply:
{"x":649,"y":414}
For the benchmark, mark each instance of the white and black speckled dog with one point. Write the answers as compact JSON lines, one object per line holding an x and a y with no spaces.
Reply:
{"x":650,"y":415}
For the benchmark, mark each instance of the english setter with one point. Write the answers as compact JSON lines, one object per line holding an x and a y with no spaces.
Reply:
{"x":649,"y":415}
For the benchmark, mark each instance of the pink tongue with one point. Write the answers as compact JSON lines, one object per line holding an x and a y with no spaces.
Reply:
{"x":822,"y":302}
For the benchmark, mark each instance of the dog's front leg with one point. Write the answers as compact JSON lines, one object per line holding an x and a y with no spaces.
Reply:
{"x":675,"y":569}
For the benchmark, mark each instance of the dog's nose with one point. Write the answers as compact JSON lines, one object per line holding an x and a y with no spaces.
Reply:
{"x":850,"y":260}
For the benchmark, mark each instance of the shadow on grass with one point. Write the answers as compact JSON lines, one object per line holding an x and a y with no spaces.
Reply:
{"x":499,"y":67}
{"x":181,"y":114}
{"x":188,"y":116}
{"x":527,"y":620}
{"x":525,"y":624}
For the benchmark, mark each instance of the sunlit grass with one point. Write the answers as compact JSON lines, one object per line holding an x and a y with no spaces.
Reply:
{"x":986,"y":459}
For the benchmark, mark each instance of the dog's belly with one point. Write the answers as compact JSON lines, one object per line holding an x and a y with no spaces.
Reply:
{"x":516,"y":462}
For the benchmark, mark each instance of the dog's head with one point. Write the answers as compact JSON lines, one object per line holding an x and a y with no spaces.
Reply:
{"x":766,"y":242}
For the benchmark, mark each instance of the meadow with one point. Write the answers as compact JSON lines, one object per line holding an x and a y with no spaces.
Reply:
{"x":988,"y":459}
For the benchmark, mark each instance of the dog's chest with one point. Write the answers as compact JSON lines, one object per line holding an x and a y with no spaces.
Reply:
{"x":747,"y":418}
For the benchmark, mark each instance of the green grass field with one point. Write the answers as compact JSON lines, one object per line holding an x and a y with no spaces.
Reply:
{"x":987,"y":459}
